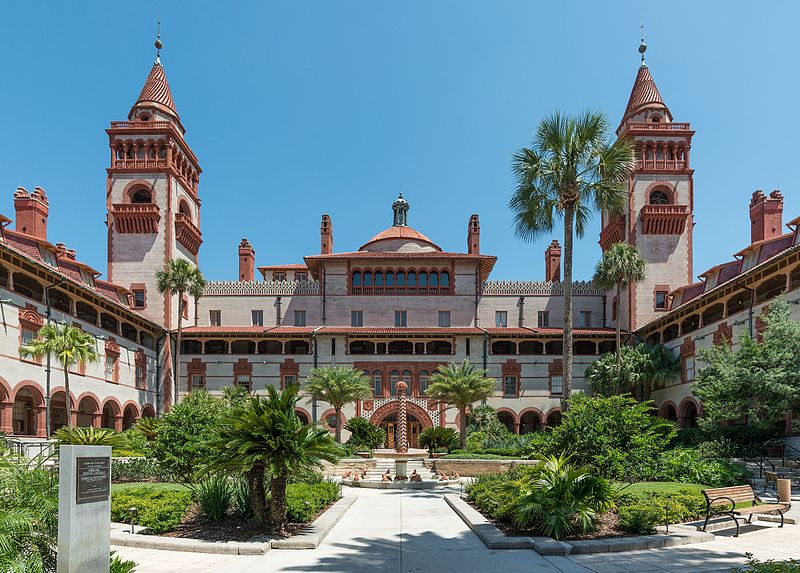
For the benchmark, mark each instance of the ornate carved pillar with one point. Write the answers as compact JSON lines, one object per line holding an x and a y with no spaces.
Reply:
{"x":401,"y":439}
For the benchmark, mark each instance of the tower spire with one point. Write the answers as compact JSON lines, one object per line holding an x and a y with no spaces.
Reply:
{"x":158,"y":43}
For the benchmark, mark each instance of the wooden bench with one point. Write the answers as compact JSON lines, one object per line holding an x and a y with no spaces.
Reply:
{"x":723,"y":501}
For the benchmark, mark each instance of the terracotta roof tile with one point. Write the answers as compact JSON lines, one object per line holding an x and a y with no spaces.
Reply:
{"x":156,"y":90}
{"x":644,"y":92}
{"x":400,"y":232}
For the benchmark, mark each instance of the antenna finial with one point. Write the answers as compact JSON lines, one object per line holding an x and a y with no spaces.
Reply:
{"x":158,"y":43}
{"x":642,"y":45}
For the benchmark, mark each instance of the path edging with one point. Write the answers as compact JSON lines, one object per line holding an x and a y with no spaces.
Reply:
{"x":319,"y":529}
{"x":494,"y":538}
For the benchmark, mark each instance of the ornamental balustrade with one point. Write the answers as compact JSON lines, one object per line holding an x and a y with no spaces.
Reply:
{"x":136,"y":218}
{"x":657,"y":126}
{"x":540,"y":288}
{"x":268,"y":288}
{"x":661,"y":164}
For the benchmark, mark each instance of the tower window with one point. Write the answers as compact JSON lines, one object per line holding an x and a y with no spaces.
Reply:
{"x":656,"y":119}
{"x":661,"y":300}
{"x":658,"y":197}
{"x":144,"y":117}
{"x":141,"y":196}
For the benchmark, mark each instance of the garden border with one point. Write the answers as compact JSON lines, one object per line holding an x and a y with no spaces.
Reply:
{"x":494,"y":538}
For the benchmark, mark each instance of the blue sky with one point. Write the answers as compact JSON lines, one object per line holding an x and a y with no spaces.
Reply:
{"x":301,"y":108}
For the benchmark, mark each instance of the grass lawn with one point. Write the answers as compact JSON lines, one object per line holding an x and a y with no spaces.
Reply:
{"x":150,"y":485}
{"x":659,"y":487}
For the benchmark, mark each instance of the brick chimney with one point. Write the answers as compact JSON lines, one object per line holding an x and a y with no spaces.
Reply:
{"x":32,"y":209}
{"x":247,"y":261}
{"x":766,"y":215}
{"x":552,"y":263}
{"x":326,"y":235}
{"x":474,"y":236}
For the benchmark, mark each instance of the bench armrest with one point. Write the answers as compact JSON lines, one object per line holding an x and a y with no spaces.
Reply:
{"x":709,"y":503}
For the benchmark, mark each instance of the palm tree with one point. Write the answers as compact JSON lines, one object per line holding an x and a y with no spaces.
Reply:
{"x":569,"y":171}
{"x":181,"y":277}
{"x":460,"y":385}
{"x":620,"y":266}
{"x":70,"y":345}
{"x":338,"y":385}
{"x":661,"y":366}
{"x":263,"y":436}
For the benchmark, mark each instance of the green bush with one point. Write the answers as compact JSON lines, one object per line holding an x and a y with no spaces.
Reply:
{"x":304,"y":501}
{"x":138,"y":469}
{"x":462,"y":455}
{"x":119,"y":565}
{"x":364,"y":435}
{"x":640,"y":518}
{"x":489,"y":494}
{"x":158,"y":510}
{"x":135,"y":441}
{"x":90,"y":436}
{"x":755,"y":566}
{"x":437,"y":437}
{"x":683,"y":505}
{"x":686,"y":465}
{"x":214,"y":495}
{"x":617,"y":437}
{"x":240,"y":498}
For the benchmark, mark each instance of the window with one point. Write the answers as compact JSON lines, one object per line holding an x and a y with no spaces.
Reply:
{"x":377,"y":383}
{"x":401,"y":318}
{"x":215,"y":317}
{"x":424,"y":378}
{"x":111,"y":366}
{"x":394,"y":377}
{"x":279,"y":276}
{"x":87,"y":278}
{"x":356,"y":318}
{"x":585,"y":319}
{"x":244,"y":381}
{"x":185,"y":307}
{"x":138,"y":298}
{"x":509,"y":385}
{"x":688,"y":368}
{"x":501,"y":318}
{"x":198,"y":381}
{"x":661,"y":300}
{"x":301,"y":276}
{"x":140,"y":376}
{"x":27,"y":335}
{"x":258,"y":317}
{"x":289,"y":380}
{"x":544,"y":319}
{"x":299,"y":318}
{"x":141,"y":196}
{"x":555,"y":383}
{"x":658,"y":197}
{"x":48,"y":257}
{"x":444,"y":318}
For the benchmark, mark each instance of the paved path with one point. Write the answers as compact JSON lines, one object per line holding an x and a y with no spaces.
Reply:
{"x":410,"y":532}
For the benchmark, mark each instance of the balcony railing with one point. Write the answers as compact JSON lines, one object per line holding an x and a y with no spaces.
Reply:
{"x":612,"y":233}
{"x":136,"y":218}
{"x":140,"y":163}
{"x":145,"y":125}
{"x":187,"y":234}
{"x":653,"y":126}
{"x":661,"y":164}
{"x":664,"y":219}
{"x":402,"y":290}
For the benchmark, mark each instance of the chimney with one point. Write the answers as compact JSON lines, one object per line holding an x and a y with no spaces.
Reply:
{"x":247,"y":261}
{"x":474,"y":236}
{"x":766,"y":215}
{"x":32,"y":209}
{"x":552,"y":263}
{"x":326,"y":235}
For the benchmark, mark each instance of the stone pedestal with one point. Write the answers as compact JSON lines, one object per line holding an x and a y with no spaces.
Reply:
{"x":400,"y":469}
{"x":84,"y":509}
{"x":785,"y":490}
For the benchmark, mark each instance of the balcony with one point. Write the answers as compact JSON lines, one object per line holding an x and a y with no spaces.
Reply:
{"x":187,"y":234}
{"x":664,"y":219}
{"x":141,"y":125}
{"x":661,"y":164}
{"x":401,"y":290}
{"x":136,"y":218}
{"x":657,"y":126}
{"x":140,"y":163}
{"x":612,"y":233}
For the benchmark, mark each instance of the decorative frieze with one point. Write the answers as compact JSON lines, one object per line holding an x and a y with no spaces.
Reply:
{"x":264,"y":288}
{"x":539,"y":288}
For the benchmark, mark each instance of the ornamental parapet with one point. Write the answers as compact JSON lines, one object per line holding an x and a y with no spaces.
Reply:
{"x":612,"y":233}
{"x":136,"y":218}
{"x":187,"y":234}
{"x":539,"y":288}
{"x":266,"y":288}
{"x":664,"y":219}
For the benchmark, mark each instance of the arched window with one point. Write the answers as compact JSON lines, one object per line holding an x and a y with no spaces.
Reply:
{"x":655,"y":118}
{"x":367,"y":278}
{"x":424,"y":378}
{"x":444,"y":279}
{"x":423,"y":279}
{"x":184,"y":208}
{"x":401,"y":279}
{"x":378,"y":279}
{"x":412,"y":279}
{"x":394,"y":377}
{"x":389,"y":279}
{"x":648,"y":154}
{"x":407,"y":380}
{"x":658,"y":197}
{"x":141,"y":196}
{"x":377,"y":383}
{"x":434,"y":279}
{"x":659,"y":152}
{"x":356,"y":278}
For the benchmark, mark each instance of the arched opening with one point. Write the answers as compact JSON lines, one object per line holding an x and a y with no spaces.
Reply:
{"x":738,"y":302}
{"x":24,"y":418}
{"x":270,"y":347}
{"x":671,"y":332}
{"x":183,"y":208}
{"x":216,"y":347}
{"x":86,"y":312}
{"x":362,"y":347}
{"x":129,"y":331}
{"x":377,"y":383}
{"x":297,"y":347}
{"x":504,"y":347}
{"x":554,"y":419}
{"x":58,"y":411}
{"x":108,"y":322}
{"x":88,"y":408}
{"x":27,"y":286}
{"x":129,"y":417}
{"x":424,"y":380}
{"x":529,"y":422}
{"x":439,"y":347}
{"x":413,"y":428}
{"x":668,"y":412}
{"x":530,"y":347}
{"x":110,"y":414}
{"x":141,"y":195}
{"x":507,"y":419}
{"x":688,"y":417}
{"x":59,"y":300}
{"x":148,"y":412}
{"x":400,"y":347}
{"x":659,"y":197}
{"x":554,"y":347}
{"x":713,"y":313}
{"x":356,"y":280}
{"x":303,"y":416}
{"x":243,"y":347}
{"x":607,"y":346}
{"x":444,"y":279}
{"x":191,"y":347}
{"x":690,"y":324}
{"x":584,"y":347}
{"x":770,"y":288}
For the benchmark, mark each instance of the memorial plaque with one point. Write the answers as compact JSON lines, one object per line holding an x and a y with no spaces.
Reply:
{"x":93,"y":479}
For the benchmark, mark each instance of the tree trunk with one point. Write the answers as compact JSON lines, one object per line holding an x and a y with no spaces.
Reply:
{"x":462,"y":428}
{"x":619,"y":321}
{"x":277,"y":506}
{"x":68,"y":396}
{"x":566,"y":387}
{"x":177,"y":374}
{"x":338,"y":428}
{"x":258,"y":501}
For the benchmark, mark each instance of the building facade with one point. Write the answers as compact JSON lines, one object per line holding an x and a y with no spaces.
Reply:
{"x":396,"y":308}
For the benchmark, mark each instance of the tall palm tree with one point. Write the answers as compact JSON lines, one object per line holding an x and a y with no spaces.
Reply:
{"x":460,"y":385}
{"x":338,"y":385}
{"x":569,"y":170}
{"x":620,"y":266}
{"x":70,"y":345}
{"x":181,"y":277}
{"x":660,"y":366}
{"x":263,"y":436}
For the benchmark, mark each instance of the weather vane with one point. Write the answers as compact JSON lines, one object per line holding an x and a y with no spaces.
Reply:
{"x":642,"y":46}
{"x":158,"y":43}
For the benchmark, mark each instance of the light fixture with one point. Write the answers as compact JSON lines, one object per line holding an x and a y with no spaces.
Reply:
{"x":6,"y":300}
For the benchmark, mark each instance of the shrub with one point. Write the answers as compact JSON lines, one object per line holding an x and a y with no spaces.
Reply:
{"x":363,"y":434}
{"x":90,"y":436}
{"x":437,"y":437}
{"x":304,"y":501}
{"x":148,"y":427}
{"x":719,"y":448}
{"x":685,"y":465}
{"x":119,"y":565}
{"x":462,"y":455}
{"x":684,"y":505}
{"x":158,"y":510}
{"x":640,"y":518}
{"x":214,"y":495}
{"x":617,"y":437}
{"x":476,"y":440}
{"x":755,"y":566}
{"x":537,"y":446}
{"x":489,"y":494}
{"x":135,"y":441}
{"x":138,"y":469}
{"x":240,"y":498}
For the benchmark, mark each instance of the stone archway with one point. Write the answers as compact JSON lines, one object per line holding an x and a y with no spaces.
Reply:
{"x":417,"y":420}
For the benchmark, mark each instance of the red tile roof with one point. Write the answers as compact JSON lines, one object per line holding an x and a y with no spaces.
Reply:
{"x":281,"y":267}
{"x":400,"y":232}
{"x":644,"y":93}
{"x":156,"y":90}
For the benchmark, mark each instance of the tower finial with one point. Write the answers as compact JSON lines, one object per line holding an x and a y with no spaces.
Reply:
{"x":642,"y":46}
{"x":400,"y":208}
{"x":158,"y":43}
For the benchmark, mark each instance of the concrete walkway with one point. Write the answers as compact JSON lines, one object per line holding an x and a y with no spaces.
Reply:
{"x":409,"y":532}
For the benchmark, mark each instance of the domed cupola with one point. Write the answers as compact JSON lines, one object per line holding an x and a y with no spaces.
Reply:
{"x":400,"y":238}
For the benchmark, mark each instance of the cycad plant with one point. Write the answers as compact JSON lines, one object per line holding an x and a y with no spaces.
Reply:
{"x":561,"y":499}
{"x":338,"y":385}
{"x":70,"y":345}
{"x":81,"y":436}
{"x":460,"y":385}
{"x":148,"y":427}
{"x":437,"y":437}
{"x":569,"y":171}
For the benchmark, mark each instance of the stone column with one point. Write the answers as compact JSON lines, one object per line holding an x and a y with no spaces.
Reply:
{"x":6,"y":415}
{"x":41,"y":422}
{"x":401,"y":437}
{"x":97,"y":420}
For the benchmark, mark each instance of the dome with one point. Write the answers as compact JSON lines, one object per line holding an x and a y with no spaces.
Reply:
{"x":400,"y":239}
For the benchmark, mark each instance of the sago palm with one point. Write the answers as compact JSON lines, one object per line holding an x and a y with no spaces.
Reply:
{"x":569,"y":171}
{"x":620,"y":266}
{"x":90,"y":437}
{"x":338,"y":385}
{"x":70,"y":345}
{"x":263,"y":436}
{"x":460,"y":385}
{"x":180,"y":277}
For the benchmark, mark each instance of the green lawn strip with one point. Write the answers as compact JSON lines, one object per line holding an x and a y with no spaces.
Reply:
{"x":658,"y":487}
{"x":154,"y":486}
